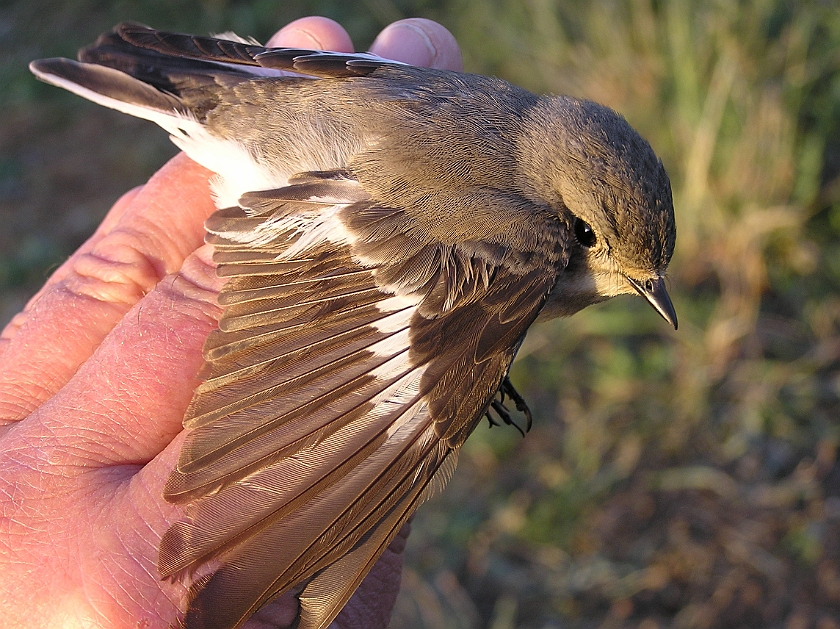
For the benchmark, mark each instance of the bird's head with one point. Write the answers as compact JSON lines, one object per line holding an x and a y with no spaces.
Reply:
{"x":606,"y":183}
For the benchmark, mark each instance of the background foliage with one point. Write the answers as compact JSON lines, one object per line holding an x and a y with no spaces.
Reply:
{"x":683,"y":480}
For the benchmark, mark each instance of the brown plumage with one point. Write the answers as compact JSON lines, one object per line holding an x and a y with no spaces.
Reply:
{"x":389,"y":233}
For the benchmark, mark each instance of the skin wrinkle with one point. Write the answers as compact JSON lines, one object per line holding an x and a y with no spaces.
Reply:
{"x":85,"y":578}
{"x":328,"y":33}
{"x":78,"y":456}
{"x":149,"y":540}
{"x":187,"y":292}
{"x":17,"y":405}
{"x":307,"y":35}
{"x":11,"y":521}
{"x":119,"y":424}
{"x":441,"y":46}
{"x":56,"y":537}
{"x":60,"y":450}
{"x":141,"y":235}
{"x":108,"y":223}
{"x":66,"y":439}
{"x":42,"y":379}
{"x":57,"y":312}
{"x":8,"y":333}
{"x":31,"y":455}
{"x":113,"y":571}
{"x":163,"y":251}
{"x":33,"y":382}
{"x":106,"y":453}
{"x":124,"y":579}
{"x":121,"y":274}
{"x":61,"y":292}
{"x":177,"y":300}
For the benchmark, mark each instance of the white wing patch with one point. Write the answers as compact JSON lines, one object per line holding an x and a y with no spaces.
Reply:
{"x":402,"y":307}
{"x":324,"y":226}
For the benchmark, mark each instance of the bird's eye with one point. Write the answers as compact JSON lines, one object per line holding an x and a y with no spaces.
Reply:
{"x":584,"y":234}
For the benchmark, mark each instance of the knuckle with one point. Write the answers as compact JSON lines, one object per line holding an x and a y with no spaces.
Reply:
{"x":115,"y":271}
{"x":194,"y":286}
{"x":197,"y":278}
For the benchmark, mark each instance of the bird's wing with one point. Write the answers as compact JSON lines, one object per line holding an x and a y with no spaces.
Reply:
{"x":231,"y":49}
{"x":163,"y":59}
{"x":353,"y":358}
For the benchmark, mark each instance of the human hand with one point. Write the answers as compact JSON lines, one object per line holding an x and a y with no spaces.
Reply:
{"x":95,"y":376}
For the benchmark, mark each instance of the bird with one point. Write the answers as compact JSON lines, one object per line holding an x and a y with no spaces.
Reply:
{"x":388,"y":234}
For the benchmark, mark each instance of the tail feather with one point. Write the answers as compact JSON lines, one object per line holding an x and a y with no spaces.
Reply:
{"x":111,"y":88}
{"x":174,"y":92}
{"x":162,"y":77}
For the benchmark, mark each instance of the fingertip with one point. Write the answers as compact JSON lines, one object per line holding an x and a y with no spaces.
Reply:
{"x":419,"y":42}
{"x":314,"y":32}
{"x":199,"y":270}
{"x":205,"y":255}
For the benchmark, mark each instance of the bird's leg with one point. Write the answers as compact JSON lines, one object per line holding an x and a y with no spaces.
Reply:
{"x":521,"y":405}
{"x":498,"y":406}
{"x":490,"y":419}
{"x":503,"y":413}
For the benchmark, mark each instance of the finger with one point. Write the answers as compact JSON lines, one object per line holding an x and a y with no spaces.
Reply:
{"x":157,"y":230}
{"x":60,"y":273}
{"x":318,"y":33}
{"x":372,"y":603}
{"x":419,"y":42}
{"x":126,"y":403}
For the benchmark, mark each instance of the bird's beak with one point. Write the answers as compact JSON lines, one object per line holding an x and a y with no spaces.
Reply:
{"x":654,"y":291}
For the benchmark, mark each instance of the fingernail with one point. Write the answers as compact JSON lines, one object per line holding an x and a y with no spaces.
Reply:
{"x":415,"y":47}
{"x":296,"y":37}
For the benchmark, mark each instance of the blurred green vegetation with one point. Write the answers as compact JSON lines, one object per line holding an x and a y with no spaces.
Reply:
{"x":673,"y":479}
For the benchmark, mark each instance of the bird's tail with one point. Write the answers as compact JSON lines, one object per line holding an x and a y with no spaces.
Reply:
{"x":175,"y":81}
{"x":167,"y":78}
